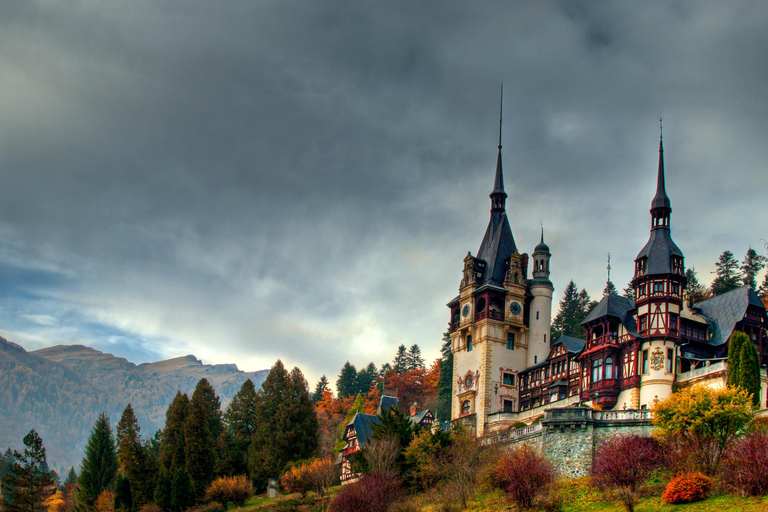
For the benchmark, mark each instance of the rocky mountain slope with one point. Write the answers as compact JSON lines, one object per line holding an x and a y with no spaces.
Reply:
{"x":60,"y":390}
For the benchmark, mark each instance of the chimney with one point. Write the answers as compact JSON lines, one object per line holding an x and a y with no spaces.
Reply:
{"x":415,"y":409}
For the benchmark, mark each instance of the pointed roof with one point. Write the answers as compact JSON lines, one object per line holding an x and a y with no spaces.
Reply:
{"x":616,"y":306}
{"x":661,"y":199}
{"x":542,"y":247}
{"x":726,"y":310}
{"x":658,"y":250}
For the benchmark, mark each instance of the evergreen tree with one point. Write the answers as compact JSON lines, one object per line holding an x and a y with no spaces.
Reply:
{"x":241,"y":424}
{"x":397,"y":426}
{"x":735,"y":343}
{"x":752,"y":264}
{"x":201,"y":432}
{"x":415,"y":361}
{"x":749,"y":371}
{"x":123,"y":495}
{"x":286,"y":428}
{"x":99,"y":466}
{"x":445,"y":382}
{"x":345,"y":384}
{"x":172,"y":451}
{"x":133,"y":458}
{"x":574,"y":307}
{"x":400,"y":363}
{"x":365,"y":378}
{"x":71,"y":477}
{"x":182,"y":493}
{"x":629,"y":291}
{"x":727,"y":274}
{"x":609,"y":289}
{"x":28,"y":482}
{"x":163,"y":491}
{"x":696,"y":292}
{"x":763,"y":291}
{"x":320,"y":388}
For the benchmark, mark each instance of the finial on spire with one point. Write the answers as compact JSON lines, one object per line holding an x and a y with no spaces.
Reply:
{"x":501,"y":108}
{"x":542,"y":231}
{"x":498,"y":196}
{"x":609,"y":266}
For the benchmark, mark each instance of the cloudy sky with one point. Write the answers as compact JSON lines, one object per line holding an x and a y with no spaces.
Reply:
{"x":253,"y":180}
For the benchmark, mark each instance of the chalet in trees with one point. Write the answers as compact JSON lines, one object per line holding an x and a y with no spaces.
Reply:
{"x":359,"y":431}
{"x":506,"y":369}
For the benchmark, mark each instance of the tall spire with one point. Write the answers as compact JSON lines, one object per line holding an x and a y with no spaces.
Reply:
{"x":661,"y":200}
{"x":498,"y":196}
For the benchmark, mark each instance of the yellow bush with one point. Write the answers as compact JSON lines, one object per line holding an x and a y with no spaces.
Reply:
{"x":229,"y":489}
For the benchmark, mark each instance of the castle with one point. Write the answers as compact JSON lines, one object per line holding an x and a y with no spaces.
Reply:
{"x":507,"y":370}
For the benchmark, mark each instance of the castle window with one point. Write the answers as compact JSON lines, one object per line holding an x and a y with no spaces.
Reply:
{"x":465,"y":407}
{"x":675,"y":288}
{"x":469,"y":343}
{"x":645,"y":361}
{"x":597,"y":366}
{"x":672,"y":322}
{"x":658,"y":287}
{"x":643,"y":323}
{"x":507,"y":405}
{"x":609,"y":368}
{"x":511,"y":341}
{"x":508,"y":379}
{"x":537,"y":315}
{"x":670,"y":359}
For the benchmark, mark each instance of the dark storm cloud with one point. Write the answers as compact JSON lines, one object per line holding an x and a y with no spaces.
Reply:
{"x":253,"y":180}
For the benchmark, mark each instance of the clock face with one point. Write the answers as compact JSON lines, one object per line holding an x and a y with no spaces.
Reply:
{"x":465,"y":311}
{"x":468,"y":381}
{"x":515,"y":307}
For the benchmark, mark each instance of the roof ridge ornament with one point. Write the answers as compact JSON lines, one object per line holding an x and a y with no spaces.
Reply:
{"x":498,"y":196}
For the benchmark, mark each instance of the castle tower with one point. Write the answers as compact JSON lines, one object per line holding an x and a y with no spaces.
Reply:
{"x":541,"y":305}
{"x":659,"y":282}
{"x":489,"y":318}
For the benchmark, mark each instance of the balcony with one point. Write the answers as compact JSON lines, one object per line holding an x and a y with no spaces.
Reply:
{"x":492,"y":314}
{"x":703,"y":371}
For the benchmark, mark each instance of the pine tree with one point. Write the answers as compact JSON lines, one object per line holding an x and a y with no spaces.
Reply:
{"x":345,"y":384}
{"x":163,"y":491}
{"x":134,"y":459}
{"x":445,"y":382}
{"x":71,"y":477}
{"x":320,"y":388}
{"x":172,"y":451}
{"x":99,"y":466}
{"x":201,"y":432}
{"x":400,"y":363}
{"x":735,"y":343}
{"x":286,"y":428}
{"x":182,"y":493}
{"x":609,"y":289}
{"x":749,"y":371}
{"x":365,"y":378}
{"x":763,"y":291}
{"x":629,"y":291}
{"x":696,"y":292}
{"x":241,"y":424}
{"x":28,"y":482}
{"x":415,"y":361}
{"x":123,"y":495}
{"x":752,"y":264}
{"x":727,"y":274}
{"x":574,"y":307}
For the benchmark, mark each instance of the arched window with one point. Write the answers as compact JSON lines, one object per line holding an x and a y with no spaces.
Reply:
{"x":465,"y":407}
{"x":596,"y":369}
{"x":609,"y":368}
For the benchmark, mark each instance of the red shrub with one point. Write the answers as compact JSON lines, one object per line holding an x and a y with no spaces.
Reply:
{"x":746,"y":465}
{"x":687,"y":488}
{"x":627,"y":461}
{"x":375,"y":492}
{"x":522,"y":474}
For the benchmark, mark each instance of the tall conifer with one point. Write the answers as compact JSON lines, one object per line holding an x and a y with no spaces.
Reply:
{"x":445,"y":382}
{"x":99,"y":466}
{"x":172,"y":451}
{"x":240,"y":420}
{"x":134,"y":458}
{"x":27,"y":483}
{"x":749,"y":371}
{"x":201,"y":432}
{"x":345,"y":384}
{"x":735,"y":342}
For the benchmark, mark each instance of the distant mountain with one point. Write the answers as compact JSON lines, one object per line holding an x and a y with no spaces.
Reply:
{"x":60,"y":390}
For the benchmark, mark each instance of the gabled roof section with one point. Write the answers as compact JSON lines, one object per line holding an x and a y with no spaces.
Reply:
{"x":726,"y":310}
{"x":417,"y":418}
{"x":571,"y":344}
{"x":615,"y":306}
{"x":387,"y":402}
{"x":497,"y":246}
{"x":658,"y":251}
{"x":363,"y":424}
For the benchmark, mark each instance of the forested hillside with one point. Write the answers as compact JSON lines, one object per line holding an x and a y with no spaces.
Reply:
{"x":59,"y":391}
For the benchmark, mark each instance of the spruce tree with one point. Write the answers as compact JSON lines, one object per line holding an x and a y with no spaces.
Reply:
{"x":201,"y":432}
{"x":182,"y":493}
{"x":415,"y":361}
{"x":629,"y":291}
{"x":135,"y":459}
{"x":240,"y":419}
{"x":727,"y":274}
{"x":71,"y":477}
{"x":696,"y":292}
{"x":752,"y":264}
{"x":302,"y":418}
{"x":609,"y":289}
{"x":365,"y":378}
{"x":735,"y":343}
{"x":749,"y":371}
{"x":400,"y":363}
{"x":345,"y":384}
{"x":163,"y":490}
{"x":28,"y":482}
{"x":574,"y":307}
{"x":99,"y":466}
{"x":320,"y":388}
{"x":123,"y":495}
{"x":172,"y":451}
{"x":445,"y":382}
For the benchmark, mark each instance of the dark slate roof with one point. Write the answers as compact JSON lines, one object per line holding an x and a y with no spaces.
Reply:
{"x":726,"y":310}
{"x":416,"y":418}
{"x":572,"y":345}
{"x":498,"y":182}
{"x":658,"y":251}
{"x":387,"y":402}
{"x":661,"y":199}
{"x":497,"y":246}
{"x":363,"y":424}
{"x":618,"y":307}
